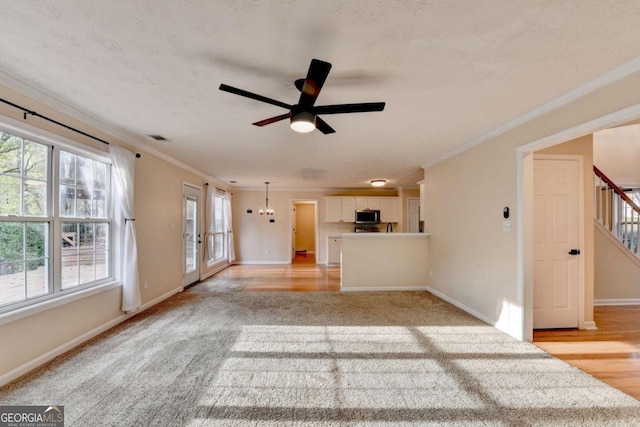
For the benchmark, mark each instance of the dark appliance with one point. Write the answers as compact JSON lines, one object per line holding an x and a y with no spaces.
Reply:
{"x":365,"y":229}
{"x":367,"y":217}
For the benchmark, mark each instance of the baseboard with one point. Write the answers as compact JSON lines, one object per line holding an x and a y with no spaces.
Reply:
{"x":215,"y":270}
{"x":263,"y":262}
{"x":383,"y":288}
{"x":155,"y":301}
{"x":463,"y":307}
{"x":590,"y":326}
{"x":620,"y":301}
{"x":52,"y":354}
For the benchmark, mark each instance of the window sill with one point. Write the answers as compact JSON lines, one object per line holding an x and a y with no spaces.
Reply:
{"x":30,"y":310}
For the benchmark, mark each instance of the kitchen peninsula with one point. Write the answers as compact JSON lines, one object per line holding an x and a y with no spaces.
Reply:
{"x":384,"y":261}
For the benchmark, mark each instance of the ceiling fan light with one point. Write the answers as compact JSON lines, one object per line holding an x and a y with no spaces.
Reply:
{"x":378,"y":182}
{"x":303,"y":122}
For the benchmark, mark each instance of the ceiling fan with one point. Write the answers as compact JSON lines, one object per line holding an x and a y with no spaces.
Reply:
{"x":304,"y":114}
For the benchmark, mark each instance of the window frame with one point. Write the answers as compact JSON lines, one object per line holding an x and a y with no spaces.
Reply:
{"x":57,"y":295}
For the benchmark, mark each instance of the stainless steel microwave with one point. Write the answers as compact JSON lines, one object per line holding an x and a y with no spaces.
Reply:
{"x":367,"y":217}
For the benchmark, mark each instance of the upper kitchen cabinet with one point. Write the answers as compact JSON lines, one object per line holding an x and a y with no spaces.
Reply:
{"x":364,"y":203}
{"x":388,"y":209}
{"x":340,"y":209}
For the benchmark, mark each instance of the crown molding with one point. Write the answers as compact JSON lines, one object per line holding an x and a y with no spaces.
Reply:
{"x":612,"y":76}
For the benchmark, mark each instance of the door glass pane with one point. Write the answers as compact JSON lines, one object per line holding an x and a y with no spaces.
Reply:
{"x":219,"y":246}
{"x":190,"y":235}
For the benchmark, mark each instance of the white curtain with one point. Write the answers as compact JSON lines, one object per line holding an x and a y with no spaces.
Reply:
{"x":209,"y":223}
{"x":124,"y":164}
{"x":231,"y":251}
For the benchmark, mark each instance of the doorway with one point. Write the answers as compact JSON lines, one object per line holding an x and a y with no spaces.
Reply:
{"x":190,"y":234}
{"x":304,"y":231}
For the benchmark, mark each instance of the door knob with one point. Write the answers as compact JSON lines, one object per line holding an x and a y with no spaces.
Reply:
{"x":574,"y":252}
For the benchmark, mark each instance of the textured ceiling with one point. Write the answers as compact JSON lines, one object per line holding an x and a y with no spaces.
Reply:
{"x":449,"y":71}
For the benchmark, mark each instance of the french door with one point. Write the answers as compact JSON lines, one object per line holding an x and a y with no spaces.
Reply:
{"x":190,"y":234}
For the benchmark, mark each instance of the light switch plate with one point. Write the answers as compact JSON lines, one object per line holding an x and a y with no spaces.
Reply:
{"x":506,"y":226}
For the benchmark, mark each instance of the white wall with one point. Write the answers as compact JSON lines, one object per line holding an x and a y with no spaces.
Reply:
{"x":617,"y":272}
{"x":475,"y":263}
{"x":259,"y":241}
{"x":384,"y":261}
{"x":616,"y":152}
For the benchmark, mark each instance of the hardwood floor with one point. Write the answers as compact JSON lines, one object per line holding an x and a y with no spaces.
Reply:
{"x":303,"y":275}
{"x":611,"y":353}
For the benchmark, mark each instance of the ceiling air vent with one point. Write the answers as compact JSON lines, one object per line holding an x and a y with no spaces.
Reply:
{"x":158,"y":137}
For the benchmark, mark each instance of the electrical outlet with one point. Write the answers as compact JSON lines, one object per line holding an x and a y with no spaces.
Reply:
{"x":145,"y":285}
{"x":267,"y":252}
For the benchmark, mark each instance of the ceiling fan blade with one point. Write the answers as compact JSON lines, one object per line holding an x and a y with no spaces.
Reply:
{"x":316,"y":76}
{"x":349,"y":108}
{"x":272,"y":120}
{"x":323,"y":127}
{"x":261,"y":98}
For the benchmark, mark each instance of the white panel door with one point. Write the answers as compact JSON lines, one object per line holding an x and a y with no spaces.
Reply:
{"x":413,"y":215}
{"x":556,"y":234}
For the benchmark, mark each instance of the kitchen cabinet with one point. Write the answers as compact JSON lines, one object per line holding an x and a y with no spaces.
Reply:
{"x":388,"y":209}
{"x":334,"y":249}
{"x":340,"y":209}
{"x":371,"y":203}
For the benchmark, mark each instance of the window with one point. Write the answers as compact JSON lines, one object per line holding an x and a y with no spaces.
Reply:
{"x":84,"y":239}
{"x":52,"y":237}
{"x":217,"y":230}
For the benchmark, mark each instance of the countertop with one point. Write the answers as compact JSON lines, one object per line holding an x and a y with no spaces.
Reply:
{"x":385,"y":235}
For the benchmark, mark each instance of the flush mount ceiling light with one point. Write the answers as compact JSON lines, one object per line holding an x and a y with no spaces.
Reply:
{"x":378,"y":182}
{"x":303,"y":122}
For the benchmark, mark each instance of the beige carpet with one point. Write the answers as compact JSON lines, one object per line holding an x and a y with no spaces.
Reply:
{"x":206,"y":358}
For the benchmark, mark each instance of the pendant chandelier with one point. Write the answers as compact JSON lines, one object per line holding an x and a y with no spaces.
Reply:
{"x":266,"y":210}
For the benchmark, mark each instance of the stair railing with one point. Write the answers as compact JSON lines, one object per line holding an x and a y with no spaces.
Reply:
{"x":616,"y":211}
